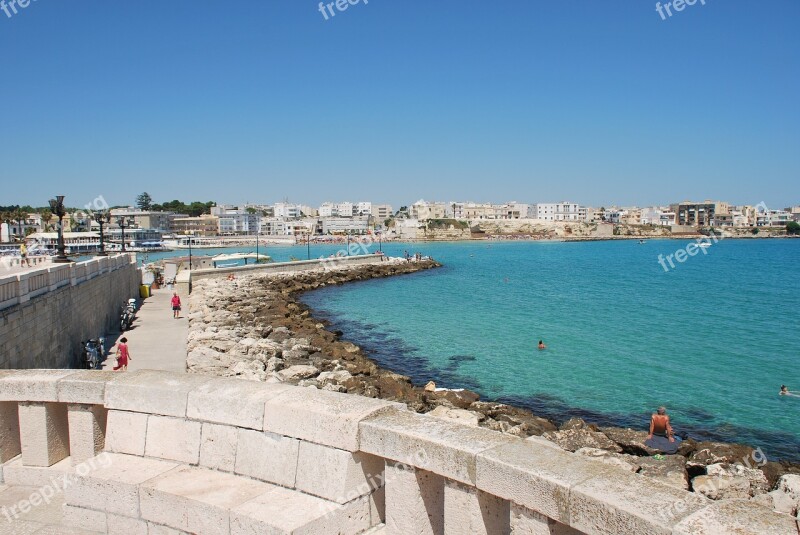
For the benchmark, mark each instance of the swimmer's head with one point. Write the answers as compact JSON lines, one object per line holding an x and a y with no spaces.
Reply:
{"x":662,"y":410}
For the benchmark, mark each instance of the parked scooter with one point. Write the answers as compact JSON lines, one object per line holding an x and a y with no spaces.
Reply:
{"x":93,"y":353}
{"x":126,"y":317}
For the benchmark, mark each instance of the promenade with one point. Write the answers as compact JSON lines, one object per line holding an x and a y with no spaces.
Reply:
{"x":156,"y":341}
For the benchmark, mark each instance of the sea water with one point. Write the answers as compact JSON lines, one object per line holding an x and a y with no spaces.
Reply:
{"x":712,"y":339}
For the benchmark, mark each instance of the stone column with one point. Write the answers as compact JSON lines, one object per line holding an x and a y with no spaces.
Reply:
{"x":414,"y":501}
{"x":87,"y":431}
{"x":9,"y":431}
{"x":44,"y":433}
{"x":468,"y":510}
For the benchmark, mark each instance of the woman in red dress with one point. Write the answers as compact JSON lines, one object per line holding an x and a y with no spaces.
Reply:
{"x":123,"y":355}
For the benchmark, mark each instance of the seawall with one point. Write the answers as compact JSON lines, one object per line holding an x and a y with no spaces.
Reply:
{"x":46,"y":313}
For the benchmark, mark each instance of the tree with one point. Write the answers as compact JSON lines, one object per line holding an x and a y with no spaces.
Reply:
{"x":144,"y":202}
{"x":47,"y":216}
{"x":793,"y":228}
{"x":19,"y":217}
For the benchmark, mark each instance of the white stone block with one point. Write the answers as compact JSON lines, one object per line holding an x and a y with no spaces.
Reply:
{"x":9,"y":431}
{"x":155,"y":392}
{"x":736,"y":516}
{"x":233,"y":402}
{"x":436,"y":445}
{"x":44,"y":433}
{"x":126,"y":432}
{"x":85,"y":387}
{"x":622,"y":502}
{"x":337,"y":475}
{"x":173,"y":439}
{"x":87,"y":431}
{"x":414,"y":501}
{"x":31,"y":385}
{"x":156,"y":529}
{"x":86,"y":519}
{"x":218,"y":447}
{"x":327,"y":418}
{"x":282,"y":511}
{"x":468,"y":510}
{"x":114,"y":486}
{"x":267,"y":457}
{"x":122,"y":525}
{"x":535,"y":477}
{"x":527,"y":522}
{"x":17,"y":474}
{"x":196,"y":500}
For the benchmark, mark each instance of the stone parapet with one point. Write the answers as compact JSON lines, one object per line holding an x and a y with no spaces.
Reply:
{"x":193,"y":454}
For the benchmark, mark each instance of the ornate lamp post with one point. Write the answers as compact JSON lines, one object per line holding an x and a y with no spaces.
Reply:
{"x":121,"y":221}
{"x":57,"y":207}
{"x":102,"y":217}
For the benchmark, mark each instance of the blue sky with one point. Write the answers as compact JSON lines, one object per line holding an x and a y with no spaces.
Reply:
{"x":392,"y":101}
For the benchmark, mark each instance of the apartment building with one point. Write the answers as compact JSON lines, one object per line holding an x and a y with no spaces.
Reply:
{"x":345,"y":225}
{"x":287,"y":210}
{"x":204,"y":225}
{"x":423,"y":210}
{"x":703,"y":214}
{"x":561,"y":211}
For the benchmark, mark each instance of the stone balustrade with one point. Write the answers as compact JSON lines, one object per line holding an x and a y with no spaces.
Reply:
{"x":158,"y":452}
{"x":22,"y":287}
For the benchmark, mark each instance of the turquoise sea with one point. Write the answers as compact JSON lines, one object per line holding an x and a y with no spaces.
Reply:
{"x":712,"y":340}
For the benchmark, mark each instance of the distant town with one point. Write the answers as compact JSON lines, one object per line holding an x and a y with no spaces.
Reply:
{"x":150,"y":226}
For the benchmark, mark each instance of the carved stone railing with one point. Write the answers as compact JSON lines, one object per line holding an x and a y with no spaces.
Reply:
{"x":22,"y":287}
{"x":201,"y":454}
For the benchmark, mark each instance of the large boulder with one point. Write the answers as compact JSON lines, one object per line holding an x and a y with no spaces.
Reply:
{"x":296,"y":373}
{"x":668,"y":469}
{"x":461,"y":398}
{"x":786,"y":497}
{"x":630,"y":440}
{"x":729,"y":481}
{"x":707,"y":453}
{"x":575,"y":439}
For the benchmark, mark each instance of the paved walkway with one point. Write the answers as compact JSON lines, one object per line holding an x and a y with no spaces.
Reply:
{"x":42,"y":519}
{"x":156,"y":341}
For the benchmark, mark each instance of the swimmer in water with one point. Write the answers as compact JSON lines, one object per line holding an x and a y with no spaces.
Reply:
{"x":785,"y":391}
{"x":541,"y":345}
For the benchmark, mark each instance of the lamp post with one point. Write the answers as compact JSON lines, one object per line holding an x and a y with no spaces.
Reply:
{"x":348,"y":243}
{"x":308,"y":244}
{"x":102,"y":218}
{"x":190,"y":251}
{"x":57,"y":207}
{"x":256,"y":247}
{"x":122,"y":226}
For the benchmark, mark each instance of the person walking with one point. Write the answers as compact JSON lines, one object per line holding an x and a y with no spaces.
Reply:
{"x":23,"y":253}
{"x":176,"y":306}
{"x":123,"y":355}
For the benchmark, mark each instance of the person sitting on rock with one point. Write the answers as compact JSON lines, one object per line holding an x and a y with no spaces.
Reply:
{"x":661,"y":436}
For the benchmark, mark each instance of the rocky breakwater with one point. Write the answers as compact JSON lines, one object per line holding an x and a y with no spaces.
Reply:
{"x":255,"y":328}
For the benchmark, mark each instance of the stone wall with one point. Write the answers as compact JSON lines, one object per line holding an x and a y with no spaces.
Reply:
{"x":201,"y":454}
{"x":45,"y":314}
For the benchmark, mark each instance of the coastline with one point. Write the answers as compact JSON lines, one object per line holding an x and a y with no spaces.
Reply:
{"x":258,"y":329}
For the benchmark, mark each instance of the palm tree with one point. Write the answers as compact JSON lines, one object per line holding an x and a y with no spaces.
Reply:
{"x":47,"y":216}
{"x":19,"y":217}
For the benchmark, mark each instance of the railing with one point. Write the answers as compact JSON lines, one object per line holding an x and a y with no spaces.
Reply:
{"x":338,"y":462}
{"x":22,"y":287}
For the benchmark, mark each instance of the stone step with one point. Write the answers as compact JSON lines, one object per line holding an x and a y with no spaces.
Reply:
{"x":199,"y":500}
{"x":16,"y":474}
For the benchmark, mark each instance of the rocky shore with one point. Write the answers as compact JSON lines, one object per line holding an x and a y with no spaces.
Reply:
{"x":255,"y":328}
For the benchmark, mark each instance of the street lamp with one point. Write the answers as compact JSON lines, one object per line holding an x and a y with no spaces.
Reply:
{"x":57,"y":207}
{"x":190,"y":251}
{"x":102,"y":217}
{"x":308,"y":244}
{"x":122,"y":225}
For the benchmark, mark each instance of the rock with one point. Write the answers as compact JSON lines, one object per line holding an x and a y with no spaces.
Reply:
{"x":786,"y":497}
{"x":575,"y":439}
{"x":573,"y":423}
{"x":430,"y":387}
{"x":460,"y":415}
{"x":756,"y":478}
{"x":631,"y":441}
{"x":626,"y":462}
{"x":668,"y":469}
{"x":301,"y":371}
{"x":716,"y":452}
{"x":461,"y":399}
{"x":223,"y":346}
{"x":295,"y":354}
{"x":719,"y":488}
{"x":274,"y":364}
{"x":338,"y":377}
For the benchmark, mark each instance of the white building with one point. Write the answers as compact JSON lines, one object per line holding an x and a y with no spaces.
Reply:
{"x":327,"y":210}
{"x":364,"y":208}
{"x":345,"y":225}
{"x":655,"y":215}
{"x":382,"y":212}
{"x":286,"y":210}
{"x":345,"y":209}
{"x":424,"y":210}
{"x":562,"y":211}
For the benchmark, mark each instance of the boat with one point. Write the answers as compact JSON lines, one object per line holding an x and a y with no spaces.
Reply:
{"x":704,"y":244}
{"x":642,"y":242}
{"x":190,"y":242}
{"x":232,"y":260}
